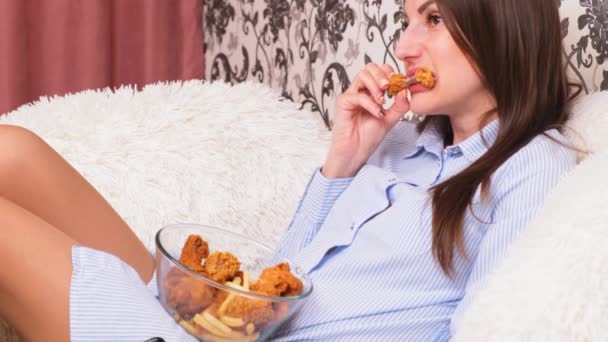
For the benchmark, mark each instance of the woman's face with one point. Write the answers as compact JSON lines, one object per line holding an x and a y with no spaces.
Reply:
{"x":426,"y":42}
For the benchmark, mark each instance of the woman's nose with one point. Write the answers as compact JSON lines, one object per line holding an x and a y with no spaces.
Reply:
{"x":409,"y":45}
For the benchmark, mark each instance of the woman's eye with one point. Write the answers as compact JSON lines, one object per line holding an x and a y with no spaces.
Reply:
{"x":434,"y":19}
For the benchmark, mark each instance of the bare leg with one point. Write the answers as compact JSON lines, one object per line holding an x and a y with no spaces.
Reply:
{"x":35,"y":275}
{"x":36,"y":178}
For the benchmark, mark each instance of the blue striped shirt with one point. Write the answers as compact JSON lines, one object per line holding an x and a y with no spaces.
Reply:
{"x":366,"y":241}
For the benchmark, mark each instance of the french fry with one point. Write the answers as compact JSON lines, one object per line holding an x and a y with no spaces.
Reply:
{"x":237,"y":280}
{"x":250,"y":329}
{"x":246,"y":280}
{"x":235,"y":286}
{"x":188,"y":326}
{"x":225,"y":303}
{"x":212,"y":325}
{"x":234,"y":322}
{"x":217,"y":323}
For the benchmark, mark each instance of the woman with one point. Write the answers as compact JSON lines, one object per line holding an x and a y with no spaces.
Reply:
{"x":398,"y":228}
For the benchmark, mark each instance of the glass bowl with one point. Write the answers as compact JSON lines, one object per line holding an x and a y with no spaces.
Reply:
{"x":214,"y":311}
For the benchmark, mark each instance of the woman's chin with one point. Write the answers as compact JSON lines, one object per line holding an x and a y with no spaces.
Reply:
{"x":421,"y":108}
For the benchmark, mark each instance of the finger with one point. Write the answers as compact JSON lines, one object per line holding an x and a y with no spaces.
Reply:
{"x":358,"y":83}
{"x":371,"y":85}
{"x":365,"y":102}
{"x":388,"y":70}
{"x":401,"y":106}
{"x":379,"y":74}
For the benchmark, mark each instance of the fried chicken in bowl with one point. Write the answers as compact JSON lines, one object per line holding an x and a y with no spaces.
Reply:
{"x":222,"y":286}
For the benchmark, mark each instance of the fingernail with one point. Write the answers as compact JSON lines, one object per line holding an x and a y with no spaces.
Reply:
{"x":384,"y":83}
{"x":381,"y":100}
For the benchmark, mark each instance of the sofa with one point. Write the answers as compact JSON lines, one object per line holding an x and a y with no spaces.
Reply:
{"x":238,"y":155}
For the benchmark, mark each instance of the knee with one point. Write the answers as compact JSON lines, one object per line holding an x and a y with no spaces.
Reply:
{"x":17,"y":148}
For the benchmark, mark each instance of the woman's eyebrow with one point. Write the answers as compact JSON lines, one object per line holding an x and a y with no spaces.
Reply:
{"x":425,"y":5}
{"x":421,"y":9}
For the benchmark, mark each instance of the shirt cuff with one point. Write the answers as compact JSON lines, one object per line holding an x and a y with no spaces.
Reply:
{"x":321,"y":194}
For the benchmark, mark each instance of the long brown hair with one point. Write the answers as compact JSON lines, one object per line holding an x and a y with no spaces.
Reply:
{"x":516,"y":47}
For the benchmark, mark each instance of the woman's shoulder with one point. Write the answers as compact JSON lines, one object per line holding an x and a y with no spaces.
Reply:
{"x":550,"y":148}
{"x":546,"y":154}
{"x":535,"y":168}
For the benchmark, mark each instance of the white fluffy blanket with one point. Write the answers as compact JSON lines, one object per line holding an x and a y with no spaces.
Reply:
{"x":232,"y":157}
{"x":239,"y":158}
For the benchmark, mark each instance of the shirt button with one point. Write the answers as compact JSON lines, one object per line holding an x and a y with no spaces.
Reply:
{"x":352,"y":226}
{"x":392,"y":179}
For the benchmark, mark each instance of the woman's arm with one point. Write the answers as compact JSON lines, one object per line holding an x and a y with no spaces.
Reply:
{"x":318,"y":199}
{"x":360,"y":125}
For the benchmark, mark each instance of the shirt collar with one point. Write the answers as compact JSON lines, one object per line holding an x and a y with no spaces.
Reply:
{"x":478,"y":144}
{"x":432,"y":140}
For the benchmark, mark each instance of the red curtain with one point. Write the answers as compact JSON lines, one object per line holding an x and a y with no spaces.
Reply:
{"x":52,"y":47}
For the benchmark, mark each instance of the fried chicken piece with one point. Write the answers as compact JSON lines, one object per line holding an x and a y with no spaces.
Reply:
{"x":398,"y":82}
{"x":425,"y":77}
{"x":256,"y":311}
{"x":277,"y":281}
{"x":195,"y":250}
{"x":221,"y":266}
{"x":274,"y":281}
{"x":186,"y":294}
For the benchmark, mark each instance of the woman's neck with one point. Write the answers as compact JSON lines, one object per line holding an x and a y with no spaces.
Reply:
{"x":465,"y":125}
{"x":463,"y":129}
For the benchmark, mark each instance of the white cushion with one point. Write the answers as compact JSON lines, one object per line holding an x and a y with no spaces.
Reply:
{"x":588,"y":127}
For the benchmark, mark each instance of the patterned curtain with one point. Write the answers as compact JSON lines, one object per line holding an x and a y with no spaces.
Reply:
{"x":310,"y":50}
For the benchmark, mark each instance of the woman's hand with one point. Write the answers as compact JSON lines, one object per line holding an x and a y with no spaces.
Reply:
{"x":361,"y":123}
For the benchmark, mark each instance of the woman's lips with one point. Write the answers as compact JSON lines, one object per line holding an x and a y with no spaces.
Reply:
{"x":411,"y":71}
{"x":418,"y":88}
